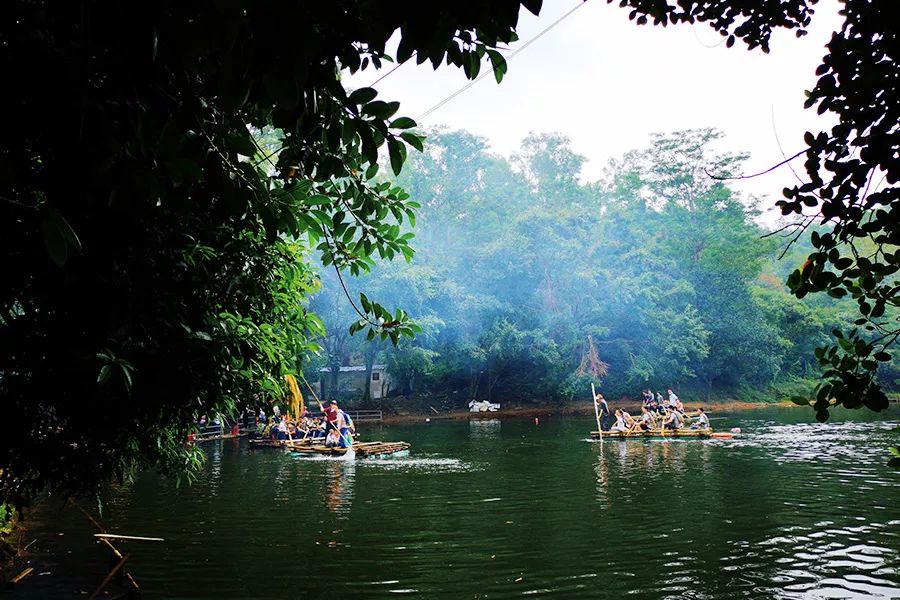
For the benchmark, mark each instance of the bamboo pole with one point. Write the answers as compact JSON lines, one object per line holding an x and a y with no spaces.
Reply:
{"x":21,"y":575}
{"x":128,"y":537}
{"x":108,"y":544}
{"x":109,"y":576}
{"x":347,"y":438}
{"x":596,"y":412}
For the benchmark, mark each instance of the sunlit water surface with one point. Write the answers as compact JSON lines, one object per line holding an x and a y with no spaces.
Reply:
{"x":491,"y":509}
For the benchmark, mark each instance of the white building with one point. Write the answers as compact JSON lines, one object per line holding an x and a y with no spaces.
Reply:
{"x":352,"y":381}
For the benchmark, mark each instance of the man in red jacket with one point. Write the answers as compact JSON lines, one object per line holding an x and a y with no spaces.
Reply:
{"x":331,"y":415}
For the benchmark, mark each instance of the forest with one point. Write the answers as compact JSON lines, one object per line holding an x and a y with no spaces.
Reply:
{"x":530,"y":283}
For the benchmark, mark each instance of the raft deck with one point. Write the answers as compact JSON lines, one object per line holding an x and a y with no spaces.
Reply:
{"x":269,"y":443}
{"x":654,"y":434}
{"x":362,"y":449}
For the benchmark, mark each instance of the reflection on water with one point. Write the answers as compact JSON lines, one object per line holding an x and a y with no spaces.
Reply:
{"x":339,"y":492}
{"x":789,"y":509}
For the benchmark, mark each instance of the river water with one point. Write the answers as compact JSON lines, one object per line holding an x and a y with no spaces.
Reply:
{"x":503,"y":509}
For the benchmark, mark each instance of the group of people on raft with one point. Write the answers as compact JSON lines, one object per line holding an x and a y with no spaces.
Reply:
{"x":334,"y":428}
{"x":657,"y":412}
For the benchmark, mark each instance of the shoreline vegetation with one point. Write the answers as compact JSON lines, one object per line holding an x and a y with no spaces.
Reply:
{"x":11,"y":532}
{"x":568,"y":410}
{"x":417,"y":411}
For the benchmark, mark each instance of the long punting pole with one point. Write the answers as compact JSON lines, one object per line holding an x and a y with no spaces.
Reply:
{"x":596,"y":412}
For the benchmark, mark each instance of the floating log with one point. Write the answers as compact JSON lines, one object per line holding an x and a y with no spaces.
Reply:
{"x":654,"y":433}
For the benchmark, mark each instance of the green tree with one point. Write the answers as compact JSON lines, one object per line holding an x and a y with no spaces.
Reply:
{"x":155,"y":251}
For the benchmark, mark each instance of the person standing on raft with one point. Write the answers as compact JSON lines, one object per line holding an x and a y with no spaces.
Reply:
{"x":605,"y":416}
{"x":332,"y":414}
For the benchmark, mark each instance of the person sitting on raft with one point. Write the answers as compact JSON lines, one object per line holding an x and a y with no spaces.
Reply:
{"x":630,"y":421}
{"x":673,"y":420}
{"x":333,"y":439}
{"x":317,"y":429}
{"x":620,"y":422}
{"x":280,"y":431}
{"x":701,"y":421}
{"x":644,"y":422}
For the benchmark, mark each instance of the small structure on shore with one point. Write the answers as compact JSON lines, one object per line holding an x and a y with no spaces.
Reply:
{"x":351,"y":380}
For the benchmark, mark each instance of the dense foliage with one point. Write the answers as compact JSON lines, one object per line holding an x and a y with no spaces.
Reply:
{"x":519,"y":263}
{"x":851,"y":175}
{"x":155,"y":246}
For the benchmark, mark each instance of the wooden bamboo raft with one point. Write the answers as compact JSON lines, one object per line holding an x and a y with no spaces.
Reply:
{"x":224,"y":436}
{"x":654,"y":434}
{"x":362,"y":449}
{"x":269,"y":443}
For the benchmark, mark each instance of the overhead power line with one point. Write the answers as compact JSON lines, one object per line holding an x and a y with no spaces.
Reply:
{"x":507,"y":58}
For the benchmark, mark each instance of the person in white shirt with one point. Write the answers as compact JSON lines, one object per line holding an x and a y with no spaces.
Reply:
{"x":701,"y":421}
{"x":673,"y":399}
{"x":644,"y":422}
{"x":620,"y":422}
{"x":673,"y":420}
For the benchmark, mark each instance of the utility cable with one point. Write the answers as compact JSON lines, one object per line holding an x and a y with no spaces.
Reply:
{"x":490,"y":71}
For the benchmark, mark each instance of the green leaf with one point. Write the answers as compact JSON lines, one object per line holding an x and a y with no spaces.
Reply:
{"x":403,"y":123}
{"x":499,"y":64}
{"x":413,"y":140}
{"x":317,"y":199}
{"x":800,"y":400}
{"x":362,"y":95}
{"x":241,"y":143}
{"x":54,"y":241}
{"x":380,"y":109}
{"x":397,"y":152}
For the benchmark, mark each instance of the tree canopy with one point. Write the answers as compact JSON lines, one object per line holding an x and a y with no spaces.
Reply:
{"x":527,"y":279}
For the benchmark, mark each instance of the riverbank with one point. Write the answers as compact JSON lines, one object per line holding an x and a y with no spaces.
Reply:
{"x":530,"y":412}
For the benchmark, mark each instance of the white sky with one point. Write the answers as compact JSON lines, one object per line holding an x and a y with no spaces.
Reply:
{"x":608,"y":84}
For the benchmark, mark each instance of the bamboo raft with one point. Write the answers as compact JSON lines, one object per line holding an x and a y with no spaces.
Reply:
{"x":362,"y":449}
{"x":656,"y":434}
{"x":224,"y":436}
{"x":268,"y":443}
